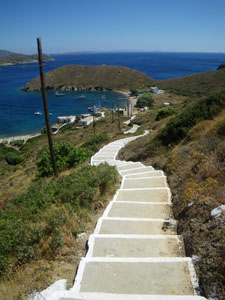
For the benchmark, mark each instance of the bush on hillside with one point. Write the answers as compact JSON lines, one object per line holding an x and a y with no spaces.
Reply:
{"x":11,"y":155}
{"x":164,"y":113}
{"x":145,"y":101}
{"x":36,"y":218}
{"x":94,"y":143}
{"x":204,"y":109}
{"x":17,"y":143}
{"x":66,"y":156}
{"x":134,"y":92}
{"x":13,"y":158}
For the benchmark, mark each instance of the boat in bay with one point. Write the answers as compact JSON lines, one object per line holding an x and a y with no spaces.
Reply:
{"x":81,"y":97}
{"x":58,"y":94}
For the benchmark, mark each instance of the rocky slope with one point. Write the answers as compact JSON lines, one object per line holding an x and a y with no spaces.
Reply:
{"x":76,"y":77}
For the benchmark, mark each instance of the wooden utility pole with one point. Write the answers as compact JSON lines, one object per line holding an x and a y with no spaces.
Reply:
{"x":128,"y":108}
{"x":43,"y":90}
{"x":118,"y":111}
{"x":112,"y":112}
{"x":93,"y":107}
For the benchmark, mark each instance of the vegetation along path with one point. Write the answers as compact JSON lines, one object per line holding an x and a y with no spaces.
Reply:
{"x":134,"y":252}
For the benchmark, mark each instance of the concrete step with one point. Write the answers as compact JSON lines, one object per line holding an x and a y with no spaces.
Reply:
{"x":107,"y":151}
{"x":146,"y":174}
{"x":138,"y":210}
{"x":144,"y":195}
{"x":110,"y":162}
{"x":135,"y":246}
{"x":109,"y":296}
{"x":139,"y":183}
{"x":135,"y":226}
{"x":139,"y":170}
{"x":102,"y":296}
{"x":103,"y":157}
{"x":115,"y":163}
{"x":147,"y":276}
{"x":130,"y":166}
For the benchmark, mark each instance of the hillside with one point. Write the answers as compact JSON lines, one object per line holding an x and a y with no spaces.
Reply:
{"x":4,"y":53}
{"x":189,"y":146}
{"x":75,"y":77}
{"x":196,"y":85}
{"x":41,"y":219}
{"x":9,"y":58}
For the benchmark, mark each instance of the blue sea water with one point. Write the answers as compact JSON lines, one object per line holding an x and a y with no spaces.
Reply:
{"x":17,"y":108}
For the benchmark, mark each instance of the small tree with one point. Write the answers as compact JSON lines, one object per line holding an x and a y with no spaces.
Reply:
{"x":145,"y":101}
{"x":134,"y":92}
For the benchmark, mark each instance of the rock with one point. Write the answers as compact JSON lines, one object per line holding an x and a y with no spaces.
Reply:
{"x":216,"y":212}
{"x":222,"y":66}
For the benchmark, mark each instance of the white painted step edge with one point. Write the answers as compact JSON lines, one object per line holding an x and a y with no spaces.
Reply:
{"x":102,"y":296}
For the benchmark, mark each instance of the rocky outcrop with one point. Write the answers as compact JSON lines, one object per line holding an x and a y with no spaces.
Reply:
{"x":91,"y":78}
{"x":222,"y":66}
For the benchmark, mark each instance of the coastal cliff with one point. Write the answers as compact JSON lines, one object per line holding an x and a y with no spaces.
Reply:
{"x":10,"y":58}
{"x":77,"y":77}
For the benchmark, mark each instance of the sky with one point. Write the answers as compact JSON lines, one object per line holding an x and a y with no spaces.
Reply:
{"x":113,"y":25}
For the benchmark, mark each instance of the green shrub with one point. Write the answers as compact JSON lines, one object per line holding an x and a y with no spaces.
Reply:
{"x":40,"y":213}
{"x":11,"y":155}
{"x":94,"y":143}
{"x":134,"y":92}
{"x":164,"y":113}
{"x":204,"y":109}
{"x":145,"y":101}
{"x":66,"y":156}
{"x":13,"y":158}
{"x":17,"y":143}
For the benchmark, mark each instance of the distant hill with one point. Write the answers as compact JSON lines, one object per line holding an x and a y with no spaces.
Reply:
{"x":197,"y":84}
{"x":76,"y":77}
{"x":10,"y":58}
{"x":4,"y":53}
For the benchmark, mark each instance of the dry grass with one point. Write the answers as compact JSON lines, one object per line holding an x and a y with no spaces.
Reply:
{"x":85,"y":77}
{"x":198,"y":84}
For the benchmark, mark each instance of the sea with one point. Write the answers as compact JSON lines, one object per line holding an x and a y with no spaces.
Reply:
{"x":17,"y":108}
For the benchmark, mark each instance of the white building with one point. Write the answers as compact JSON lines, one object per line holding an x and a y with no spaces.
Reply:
{"x":66,"y":119}
{"x":156,"y":91}
{"x":85,"y":121}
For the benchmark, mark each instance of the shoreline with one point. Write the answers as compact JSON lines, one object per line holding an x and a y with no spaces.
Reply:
{"x":7,"y":140}
{"x":25,"y":138}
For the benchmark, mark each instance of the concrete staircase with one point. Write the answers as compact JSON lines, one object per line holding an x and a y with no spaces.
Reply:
{"x":134,"y":252}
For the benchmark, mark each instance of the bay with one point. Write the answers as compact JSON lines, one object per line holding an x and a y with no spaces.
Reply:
{"x":17,"y":108}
